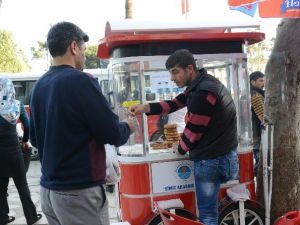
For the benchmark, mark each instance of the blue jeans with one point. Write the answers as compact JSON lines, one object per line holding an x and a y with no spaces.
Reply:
{"x":209,"y":174}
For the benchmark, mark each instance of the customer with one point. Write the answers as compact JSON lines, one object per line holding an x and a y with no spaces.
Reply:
{"x":210,"y":134}
{"x":11,"y":157}
{"x":70,"y":123}
{"x":23,"y":134}
{"x":257,"y":83}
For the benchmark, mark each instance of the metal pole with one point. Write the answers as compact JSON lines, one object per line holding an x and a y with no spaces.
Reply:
{"x":270,"y":168}
{"x":242,"y":212}
{"x":265,"y":147}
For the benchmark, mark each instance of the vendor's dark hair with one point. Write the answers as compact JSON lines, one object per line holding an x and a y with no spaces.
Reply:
{"x":181,"y":58}
{"x":61,"y":35}
{"x":255,"y":75}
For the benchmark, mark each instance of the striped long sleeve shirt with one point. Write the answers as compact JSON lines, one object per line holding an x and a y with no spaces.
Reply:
{"x":200,"y":111}
{"x":257,"y":102}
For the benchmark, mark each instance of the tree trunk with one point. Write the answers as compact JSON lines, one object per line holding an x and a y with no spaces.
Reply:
{"x":128,"y":9}
{"x":282,"y":107}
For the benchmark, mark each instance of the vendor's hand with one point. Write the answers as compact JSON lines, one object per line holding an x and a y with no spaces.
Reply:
{"x":175,"y":149}
{"x":130,"y":124}
{"x":139,"y":109}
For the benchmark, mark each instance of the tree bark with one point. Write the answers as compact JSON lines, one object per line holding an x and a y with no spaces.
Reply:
{"x":282,"y":107}
{"x":129,"y":9}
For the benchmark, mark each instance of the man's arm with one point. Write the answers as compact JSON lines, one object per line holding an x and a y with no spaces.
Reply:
{"x":201,"y":110}
{"x":169,"y":106}
{"x":257,"y":102}
{"x":98,"y":116}
{"x":158,"y":108}
{"x":32,"y":132}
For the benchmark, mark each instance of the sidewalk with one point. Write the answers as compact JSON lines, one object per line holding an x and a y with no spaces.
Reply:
{"x":33,"y":177}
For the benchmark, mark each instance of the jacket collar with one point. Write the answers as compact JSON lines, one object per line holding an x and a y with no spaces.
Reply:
{"x":262,"y":92}
{"x":60,"y":67}
{"x":196,"y":81}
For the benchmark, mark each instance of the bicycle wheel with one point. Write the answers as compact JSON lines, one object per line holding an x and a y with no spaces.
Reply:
{"x":254,"y":214}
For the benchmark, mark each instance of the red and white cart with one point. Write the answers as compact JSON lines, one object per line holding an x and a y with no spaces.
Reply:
{"x":137,"y":73}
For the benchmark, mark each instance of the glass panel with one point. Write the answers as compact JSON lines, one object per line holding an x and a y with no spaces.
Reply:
{"x":145,"y":79}
{"x":243,"y":104}
{"x":219,"y":68}
{"x":127,"y":91}
{"x":104,"y":88}
{"x":159,"y":87}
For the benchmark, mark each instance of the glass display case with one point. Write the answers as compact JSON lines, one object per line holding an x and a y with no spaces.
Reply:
{"x":144,"y":79}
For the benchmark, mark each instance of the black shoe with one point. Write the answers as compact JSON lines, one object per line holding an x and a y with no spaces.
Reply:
{"x":9,"y":220}
{"x":38,"y":217}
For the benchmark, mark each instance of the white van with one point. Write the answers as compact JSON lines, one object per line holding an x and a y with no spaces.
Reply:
{"x":24,"y":82}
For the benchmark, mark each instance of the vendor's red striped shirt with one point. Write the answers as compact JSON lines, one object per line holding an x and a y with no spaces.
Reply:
{"x":200,"y":111}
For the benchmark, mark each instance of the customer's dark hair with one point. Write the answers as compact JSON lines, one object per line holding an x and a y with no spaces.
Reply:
{"x":61,"y":35}
{"x":255,"y":75}
{"x":181,"y":58}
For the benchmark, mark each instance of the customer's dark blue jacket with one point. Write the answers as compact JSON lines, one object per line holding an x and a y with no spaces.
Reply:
{"x":70,"y":123}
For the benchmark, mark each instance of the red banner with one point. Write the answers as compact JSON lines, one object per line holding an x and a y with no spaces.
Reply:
{"x":279,"y":8}
{"x":240,"y":2}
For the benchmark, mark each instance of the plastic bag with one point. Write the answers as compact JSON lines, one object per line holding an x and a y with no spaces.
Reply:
{"x":238,"y":192}
{"x":112,"y":166}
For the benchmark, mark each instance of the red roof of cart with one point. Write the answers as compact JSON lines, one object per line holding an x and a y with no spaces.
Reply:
{"x":129,"y":32}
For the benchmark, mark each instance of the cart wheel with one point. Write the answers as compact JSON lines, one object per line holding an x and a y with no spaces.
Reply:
{"x":178,"y":211}
{"x":254,"y":214}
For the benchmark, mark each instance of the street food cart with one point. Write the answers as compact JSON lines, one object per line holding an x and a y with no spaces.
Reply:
{"x":137,"y":74}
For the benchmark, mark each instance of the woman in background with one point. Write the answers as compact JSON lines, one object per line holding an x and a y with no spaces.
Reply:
{"x":11,"y":156}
